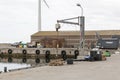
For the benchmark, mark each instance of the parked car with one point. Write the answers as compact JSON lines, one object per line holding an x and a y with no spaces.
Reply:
{"x":16,"y":44}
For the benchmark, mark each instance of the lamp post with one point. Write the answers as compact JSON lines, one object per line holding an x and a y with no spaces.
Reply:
{"x":81,"y":24}
{"x":81,"y":9}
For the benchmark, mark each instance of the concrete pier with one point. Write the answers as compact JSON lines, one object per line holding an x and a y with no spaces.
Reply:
{"x":43,"y":50}
{"x":101,"y":70}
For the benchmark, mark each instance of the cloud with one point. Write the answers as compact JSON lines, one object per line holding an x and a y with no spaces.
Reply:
{"x":19,"y":18}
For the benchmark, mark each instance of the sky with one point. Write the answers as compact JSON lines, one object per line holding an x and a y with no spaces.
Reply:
{"x":19,"y":18}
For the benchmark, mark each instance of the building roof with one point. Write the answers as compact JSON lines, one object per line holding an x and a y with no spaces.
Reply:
{"x":63,"y":33}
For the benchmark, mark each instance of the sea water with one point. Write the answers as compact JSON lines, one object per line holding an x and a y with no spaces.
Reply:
{"x":12,"y":63}
{"x":11,"y":66}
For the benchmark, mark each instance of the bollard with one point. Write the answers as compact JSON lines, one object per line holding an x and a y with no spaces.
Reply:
{"x":5,"y":69}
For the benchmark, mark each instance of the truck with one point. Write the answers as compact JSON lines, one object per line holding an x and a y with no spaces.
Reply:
{"x":108,"y":43}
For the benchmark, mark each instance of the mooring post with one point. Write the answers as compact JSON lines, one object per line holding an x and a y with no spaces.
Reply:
{"x":5,"y":69}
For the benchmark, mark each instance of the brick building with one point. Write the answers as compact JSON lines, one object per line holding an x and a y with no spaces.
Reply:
{"x":70,"y":38}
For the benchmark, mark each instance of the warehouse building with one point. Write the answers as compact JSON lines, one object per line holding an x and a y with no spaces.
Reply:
{"x":53,"y":39}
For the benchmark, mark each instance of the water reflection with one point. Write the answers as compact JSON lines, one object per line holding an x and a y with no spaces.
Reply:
{"x":24,"y":60}
{"x":37,"y":60}
{"x":13,"y":63}
{"x":10,"y":59}
{"x":11,"y":66}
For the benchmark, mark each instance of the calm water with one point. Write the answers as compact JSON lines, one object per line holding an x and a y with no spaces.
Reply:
{"x":11,"y":66}
{"x":12,"y":63}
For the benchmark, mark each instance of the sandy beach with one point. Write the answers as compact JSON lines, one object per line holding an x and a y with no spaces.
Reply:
{"x":100,"y":70}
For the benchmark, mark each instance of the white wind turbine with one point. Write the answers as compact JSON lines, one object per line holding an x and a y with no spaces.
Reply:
{"x":39,"y":13}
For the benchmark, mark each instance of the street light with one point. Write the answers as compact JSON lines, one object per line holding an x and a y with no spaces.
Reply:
{"x":81,"y":9}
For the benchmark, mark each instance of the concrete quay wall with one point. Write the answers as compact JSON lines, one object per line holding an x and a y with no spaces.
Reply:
{"x":43,"y":50}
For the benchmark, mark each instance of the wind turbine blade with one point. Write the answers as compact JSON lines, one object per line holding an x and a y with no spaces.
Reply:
{"x":46,"y":3}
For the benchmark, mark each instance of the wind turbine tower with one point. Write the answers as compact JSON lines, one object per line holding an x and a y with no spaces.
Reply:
{"x":39,"y":13}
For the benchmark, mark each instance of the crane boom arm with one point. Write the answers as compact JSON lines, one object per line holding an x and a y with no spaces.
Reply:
{"x":68,"y":22}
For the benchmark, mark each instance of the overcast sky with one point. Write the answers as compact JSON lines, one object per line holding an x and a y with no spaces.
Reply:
{"x":19,"y":18}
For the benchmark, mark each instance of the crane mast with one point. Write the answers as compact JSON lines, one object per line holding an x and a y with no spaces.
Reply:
{"x":80,"y":22}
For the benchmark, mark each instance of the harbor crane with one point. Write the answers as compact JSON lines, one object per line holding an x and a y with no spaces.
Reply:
{"x":80,"y":22}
